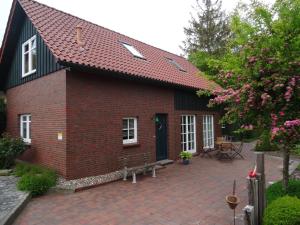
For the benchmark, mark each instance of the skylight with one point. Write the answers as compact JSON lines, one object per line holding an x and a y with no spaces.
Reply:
{"x":133,"y":51}
{"x":176,"y":64}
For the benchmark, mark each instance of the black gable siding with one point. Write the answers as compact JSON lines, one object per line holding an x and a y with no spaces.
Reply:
{"x":187,"y":100}
{"x":46,"y":62}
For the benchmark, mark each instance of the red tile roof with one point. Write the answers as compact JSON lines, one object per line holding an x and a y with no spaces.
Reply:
{"x":103,"y":50}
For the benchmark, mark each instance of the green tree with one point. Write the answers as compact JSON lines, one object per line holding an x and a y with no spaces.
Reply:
{"x":261,"y":73}
{"x":207,"y":34}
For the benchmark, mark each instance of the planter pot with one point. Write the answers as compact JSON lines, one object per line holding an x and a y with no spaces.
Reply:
{"x":185,"y":161}
{"x":232,"y":201}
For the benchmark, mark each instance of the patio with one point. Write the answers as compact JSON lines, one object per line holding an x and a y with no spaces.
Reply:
{"x":180,"y":195}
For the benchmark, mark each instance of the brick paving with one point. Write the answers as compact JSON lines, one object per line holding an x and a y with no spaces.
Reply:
{"x":180,"y":195}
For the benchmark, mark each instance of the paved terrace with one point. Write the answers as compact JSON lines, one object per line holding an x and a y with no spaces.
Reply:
{"x":180,"y":195}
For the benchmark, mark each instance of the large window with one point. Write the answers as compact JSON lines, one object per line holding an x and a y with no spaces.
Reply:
{"x":129,"y":130}
{"x":208,"y":131}
{"x":25,"y":123}
{"x":188,"y":133}
{"x":29,"y":57}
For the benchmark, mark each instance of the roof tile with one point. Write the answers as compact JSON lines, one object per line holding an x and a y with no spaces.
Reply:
{"x":103,"y":49}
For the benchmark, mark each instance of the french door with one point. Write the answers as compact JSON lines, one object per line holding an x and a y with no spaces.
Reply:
{"x":208,"y":131}
{"x":188,"y":133}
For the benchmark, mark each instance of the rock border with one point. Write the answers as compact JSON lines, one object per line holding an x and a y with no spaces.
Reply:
{"x":63,"y":186}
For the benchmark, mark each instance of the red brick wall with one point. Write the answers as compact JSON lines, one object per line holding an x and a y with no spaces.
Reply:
{"x":95,"y":108}
{"x":88,"y":110}
{"x":45,"y":100}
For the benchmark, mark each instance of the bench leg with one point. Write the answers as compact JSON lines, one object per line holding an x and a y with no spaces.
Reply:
{"x":153,"y":172}
{"x":125,"y":174}
{"x":133,"y":178}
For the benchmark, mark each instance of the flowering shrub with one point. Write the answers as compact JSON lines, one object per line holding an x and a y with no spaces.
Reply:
{"x":261,"y":73}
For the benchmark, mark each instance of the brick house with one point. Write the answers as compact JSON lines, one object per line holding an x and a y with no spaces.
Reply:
{"x":81,"y":95}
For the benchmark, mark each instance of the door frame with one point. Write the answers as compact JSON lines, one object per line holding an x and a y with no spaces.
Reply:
{"x":195,"y":132}
{"x":167,"y":134}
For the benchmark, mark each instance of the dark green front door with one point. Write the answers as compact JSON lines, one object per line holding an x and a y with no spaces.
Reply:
{"x":161,"y":136}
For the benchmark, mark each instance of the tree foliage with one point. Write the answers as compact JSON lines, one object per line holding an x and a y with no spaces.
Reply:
{"x":207,"y":35}
{"x":209,"y":30}
{"x":261,"y":72}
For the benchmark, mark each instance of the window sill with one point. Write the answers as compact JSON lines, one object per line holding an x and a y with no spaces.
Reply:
{"x":131,"y":145}
{"x":28,"y":74}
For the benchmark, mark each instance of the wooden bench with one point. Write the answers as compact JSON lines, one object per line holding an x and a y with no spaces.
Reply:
{"x":132,"y":165}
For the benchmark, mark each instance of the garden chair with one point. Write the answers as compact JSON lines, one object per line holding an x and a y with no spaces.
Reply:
{"x":225,"y":151}
{"x":206,"y":151}
{"x":237,"y":150}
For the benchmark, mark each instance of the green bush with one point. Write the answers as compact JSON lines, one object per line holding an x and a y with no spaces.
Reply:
{"x":264,"y":143}
{"x":296,"y":150}
{"x":10,"y":149}
{"x":275,"y":190}
{"x":283,"y":211}
{"x":35,"y":179}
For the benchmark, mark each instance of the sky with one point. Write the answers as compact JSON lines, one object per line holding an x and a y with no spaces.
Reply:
{"x":156,"y":22}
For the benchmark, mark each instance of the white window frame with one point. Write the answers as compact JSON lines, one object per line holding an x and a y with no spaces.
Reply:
{"x":133,"y":50}
{"x":134,"y":139}
{"x":208,"y":131}
{"x":187,"y":144}
{"x":26,"y":137}
{"x":30,"y":49}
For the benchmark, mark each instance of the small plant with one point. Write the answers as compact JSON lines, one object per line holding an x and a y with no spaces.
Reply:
{"x":185,"y":155}
{"x":35,"y":179}
{"x":283,"y":211}
{"x":10,"y":149}
{"x":275,"y":191}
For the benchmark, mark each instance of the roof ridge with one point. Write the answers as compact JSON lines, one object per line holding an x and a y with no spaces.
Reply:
{"x":84,"y":20}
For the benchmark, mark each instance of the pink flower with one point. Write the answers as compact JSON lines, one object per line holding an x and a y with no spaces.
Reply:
{"x":275,"y":130}
{"x":252,"y":59}
{"x":292,"y":123}
{"x":265,"y":97}
{"x":281,"y":113}
{"x":288,"y":93}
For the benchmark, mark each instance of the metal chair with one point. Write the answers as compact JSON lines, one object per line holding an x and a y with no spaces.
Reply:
{"x":237,"y":150}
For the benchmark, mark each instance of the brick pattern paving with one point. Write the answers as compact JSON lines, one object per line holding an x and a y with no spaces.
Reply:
{"x":180,"y":195}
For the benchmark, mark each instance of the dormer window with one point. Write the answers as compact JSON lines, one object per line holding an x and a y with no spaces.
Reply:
{"x":176,"y":64}
{"x":133,"y":51}
{"x":29,"y":57}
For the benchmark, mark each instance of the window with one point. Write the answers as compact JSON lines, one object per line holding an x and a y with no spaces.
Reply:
{"x":25,"y":121}
{"x":133,"y":51}
{"x":188,"y":133}
{"x":176,"y":64}
{"x":129,"y":130}
{"x":208,"y":131}
{"x":29,"y":57}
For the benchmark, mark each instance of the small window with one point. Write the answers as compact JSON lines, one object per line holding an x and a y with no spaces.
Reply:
{"x":29,"y":56}
{"x":133,"y":51}
{"x":129,"y":130}
{"x":176,"y":64}
{"x":25,"y":123}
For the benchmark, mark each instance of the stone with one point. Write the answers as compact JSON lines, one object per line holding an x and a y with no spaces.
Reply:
{"x":5,"y":172}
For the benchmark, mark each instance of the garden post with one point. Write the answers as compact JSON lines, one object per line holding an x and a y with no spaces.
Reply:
{"x":260,"y":162}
